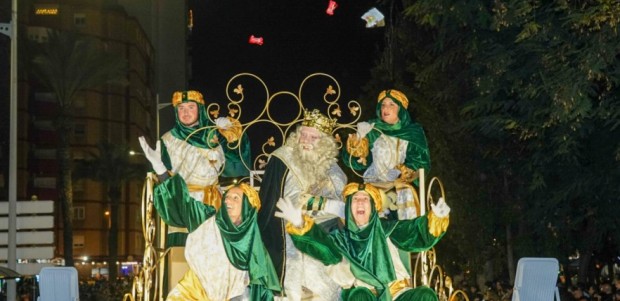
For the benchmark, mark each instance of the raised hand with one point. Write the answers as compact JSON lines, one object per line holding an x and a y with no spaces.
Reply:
{"x":223,"y":123}
{"x":363,"y":128}
{"x":441,"y":209}
{"x":289,"y":212}
{"x":153,"y":155}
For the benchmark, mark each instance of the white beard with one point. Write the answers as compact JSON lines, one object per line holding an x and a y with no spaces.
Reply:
{"x":316,"y":159}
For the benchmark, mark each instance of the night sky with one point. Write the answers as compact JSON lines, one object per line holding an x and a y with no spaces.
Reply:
{"x":299,"y":39}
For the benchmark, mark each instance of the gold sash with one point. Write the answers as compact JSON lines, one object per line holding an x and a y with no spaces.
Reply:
{"x":212,"y":195}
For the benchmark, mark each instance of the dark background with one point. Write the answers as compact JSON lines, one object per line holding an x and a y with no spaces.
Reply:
{"x":299,"y":39}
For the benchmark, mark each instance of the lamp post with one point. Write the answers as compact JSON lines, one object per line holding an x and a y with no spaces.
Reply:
{"x":12,"y":235}
{"x":160,"y":239}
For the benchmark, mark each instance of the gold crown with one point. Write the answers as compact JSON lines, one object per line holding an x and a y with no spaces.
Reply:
{"x":318,"y":121}
{"x":394,"y":95}
{"x":181,"y":96}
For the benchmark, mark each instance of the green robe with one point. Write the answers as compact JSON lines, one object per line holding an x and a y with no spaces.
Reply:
{"x":369,"y":258}
{"x":242,"y":244}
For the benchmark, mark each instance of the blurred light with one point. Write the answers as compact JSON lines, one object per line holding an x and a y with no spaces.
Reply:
{"x":85,"y":258}
{"x":46,"y":11}
{"x":135,"y":153}
{"x":106,"y":213}
{"x":190,"y":20}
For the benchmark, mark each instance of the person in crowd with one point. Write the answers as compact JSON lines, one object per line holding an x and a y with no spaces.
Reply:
{"x":224,"y":249}
{"x":579,"y":292}
{"x":391,"y":149}
{"x":305,"y":171}
{"x":363,"y":256}
{"x":606,"y":291}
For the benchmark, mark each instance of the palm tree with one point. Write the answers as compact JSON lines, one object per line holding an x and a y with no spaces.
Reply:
{"x":67,"y":64}
{"x":111,"y":166}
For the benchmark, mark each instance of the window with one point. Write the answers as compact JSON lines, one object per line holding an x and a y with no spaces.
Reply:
{"x":78,"y":186}
{"x":79,"y":20}
{"x":79,"y":213}
{"x":79,"y":131}
{"x":45,"y":182}
{"x":78,"y":241}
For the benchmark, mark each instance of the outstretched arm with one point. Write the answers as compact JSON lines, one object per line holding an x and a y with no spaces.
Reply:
{"x":422,"y":233}
{"x":307,"y":237}
{"x":176,"y":207}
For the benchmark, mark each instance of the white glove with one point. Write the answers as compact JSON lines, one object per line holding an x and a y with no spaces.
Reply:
{"x":153,"y":155}
{"x":364,"y":128}
{"x":441,"y":209}
{"x":223,"y":123}
{"x":289,"y":212}
{"x":393,"y":174}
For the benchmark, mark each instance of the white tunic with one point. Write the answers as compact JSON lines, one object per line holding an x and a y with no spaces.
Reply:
{"x":206,"y":256}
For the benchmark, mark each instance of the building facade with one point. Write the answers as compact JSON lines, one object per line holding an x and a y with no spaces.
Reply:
{"x":114,"y":114}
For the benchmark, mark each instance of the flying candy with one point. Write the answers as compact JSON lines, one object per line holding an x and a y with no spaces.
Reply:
{"x":256,"y":40}
{"x":374,"y":18}
{"x":331,"y":7}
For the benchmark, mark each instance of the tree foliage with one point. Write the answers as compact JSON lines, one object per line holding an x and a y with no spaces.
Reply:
{"x":111,"y":166}
{"x":66,"y":64}
{"x":520,"y":103}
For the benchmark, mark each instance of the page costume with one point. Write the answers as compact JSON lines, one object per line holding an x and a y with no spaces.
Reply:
{"x":226,"y":261}
{"x":399,"y":147}
{"x":199,"y":158}
{"x":365,"y":261}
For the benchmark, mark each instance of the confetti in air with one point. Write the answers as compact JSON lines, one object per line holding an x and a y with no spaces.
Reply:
{"x":256,"y":40}
{"x":374,"y":18}
{"x":331,"y":7}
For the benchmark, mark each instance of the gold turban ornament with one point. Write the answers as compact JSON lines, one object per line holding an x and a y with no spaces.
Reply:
{"x":374,"y":193}
{"x":250,"y":193}
{"x":394,"y":95}
{"x":181,"y":96}
{"x":318,"y":121}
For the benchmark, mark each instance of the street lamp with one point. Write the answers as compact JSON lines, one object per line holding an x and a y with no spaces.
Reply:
{"x":135,"y":153}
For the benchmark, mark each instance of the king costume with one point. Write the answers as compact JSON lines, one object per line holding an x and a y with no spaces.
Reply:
{"x":301,"y":276}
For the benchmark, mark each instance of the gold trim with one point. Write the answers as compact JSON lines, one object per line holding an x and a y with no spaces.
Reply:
{"x":233,"y":133}
{"x":308,"y":223}
{"x":358,"y":148}
{"x":437,"y":225}
{"x":212,"y":195}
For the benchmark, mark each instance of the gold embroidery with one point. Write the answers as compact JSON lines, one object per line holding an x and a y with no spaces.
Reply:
{"x":308,"y":223}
